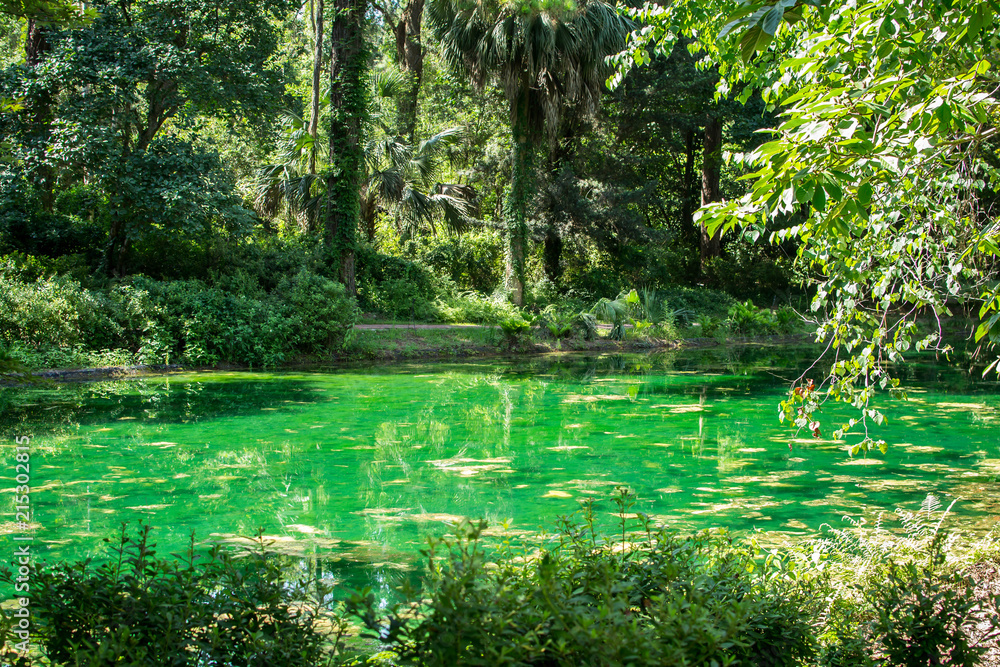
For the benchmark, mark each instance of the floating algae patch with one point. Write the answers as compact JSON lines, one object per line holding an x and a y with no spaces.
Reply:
{"x":466,"y":467}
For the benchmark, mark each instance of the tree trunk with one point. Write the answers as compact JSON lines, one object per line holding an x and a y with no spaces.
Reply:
{"x":711,"y":166}
{"x":410,"y":55}
{"x":317,"y":69}
{"x":553,"y":253}
{"x":687,"y":210}
{"x":36,"y":45}
{"x":518,"y":198}
{"x":348,"y":106}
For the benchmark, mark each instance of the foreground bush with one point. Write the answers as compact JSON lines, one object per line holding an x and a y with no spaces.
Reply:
{"x":854,"y":597}
{"x":664,"y":600}
{"x":137,"y":609}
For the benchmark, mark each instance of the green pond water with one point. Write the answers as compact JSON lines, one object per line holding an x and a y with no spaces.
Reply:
{"x":353,"y":467}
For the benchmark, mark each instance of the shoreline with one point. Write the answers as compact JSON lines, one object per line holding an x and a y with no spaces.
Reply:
{"x":435,"y":351}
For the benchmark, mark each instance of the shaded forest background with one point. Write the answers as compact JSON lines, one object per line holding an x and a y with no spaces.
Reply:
{"x":169,"y":170}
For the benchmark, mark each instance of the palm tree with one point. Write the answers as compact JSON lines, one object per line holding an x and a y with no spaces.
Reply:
{"x":399,"y":178}
{"x":291,"y":184}
{"x":541,"y":58}
{"x":402,"y":179}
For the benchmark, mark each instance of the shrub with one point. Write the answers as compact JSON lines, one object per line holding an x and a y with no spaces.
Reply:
{"x":218,"y":608}
{"x":787,"y":319}
{"x":55,"y":322}
{"x":206,"y":325}
{"x":514,"y":329}
{"x":746,"y":319}
{"x":924,"y":616}
{"x":474,"y":307}
{"x":319,"y":311}
{"x":660,"y":599}
{"x":691,"y":302}
{"x":747,"y":272}
{"x":396,"y":287}
{"x":50,"y":312}
{"x":559,"y":323}
{"x":901,"y":599}
{"x":473,"y":261}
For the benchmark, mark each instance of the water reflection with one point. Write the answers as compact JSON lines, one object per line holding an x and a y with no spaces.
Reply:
{"x":354,"y":468}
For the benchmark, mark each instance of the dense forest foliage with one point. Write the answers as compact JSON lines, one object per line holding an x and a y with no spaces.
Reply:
{"x":175,"y":170}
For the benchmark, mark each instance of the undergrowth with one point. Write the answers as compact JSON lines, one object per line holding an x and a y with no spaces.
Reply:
{"x":856,"y":595}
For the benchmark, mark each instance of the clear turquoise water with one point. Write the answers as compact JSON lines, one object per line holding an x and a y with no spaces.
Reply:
{"x":353,"y":467}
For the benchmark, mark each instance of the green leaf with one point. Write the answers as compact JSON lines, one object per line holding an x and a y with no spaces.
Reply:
{"x":865,"y":194}
{"x":834,"y":191}
{"x":804,"y":193}
{"x":819,"y":199}
{"x":887,"y":28}
{"x":772,"y":19}
{"x":755,"y":39}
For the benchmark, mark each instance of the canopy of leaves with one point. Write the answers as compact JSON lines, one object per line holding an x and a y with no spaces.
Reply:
{"x":887,"y":147}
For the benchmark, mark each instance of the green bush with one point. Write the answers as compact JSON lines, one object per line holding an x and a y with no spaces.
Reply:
{"x":902,"y":598}
{"x":515,"y":328}
{"x":219,"y":608}
{"x":748,"y":272}
{"x":54,"y":322}
{"x":746,"y":319}
{"x":50,"y":312}
{"x":692,"y":302}
{"x":656,"y":600}
{"x":559,"y":323}
{"x":319,"y":311}
{"x":924,"y":614}
{"x":205,"y":325}
{"x":396,"y":287}
{"x":473,"y":261}
{"x":474,"y":307}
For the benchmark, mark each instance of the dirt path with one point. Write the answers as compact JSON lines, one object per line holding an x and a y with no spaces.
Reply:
{"x":376,"y":327}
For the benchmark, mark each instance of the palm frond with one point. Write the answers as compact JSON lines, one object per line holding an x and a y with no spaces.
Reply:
{"x":386,"y":83}
{"x":458,"y":205}
{"x":387,"y":186}
{"x":418,"y":207}
{"x":291,"y":120}
{"x":388,"y":153}
{"x":423,"y":167}
{"x":558,"y":55}
{"x":442,"y":140}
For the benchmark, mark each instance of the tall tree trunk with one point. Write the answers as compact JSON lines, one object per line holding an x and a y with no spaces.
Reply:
{"x":518,"y":198}
{"x":36,"y":43}
{"x":711,"y":166}
{"x":43,"y":175}
{"x":410,"y":54}
{"x":560,"y":161}
{"x":317,"y":69}
{"x":348,"y":106}
{"x":552,"y":253}
{"x":687,"y":204}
